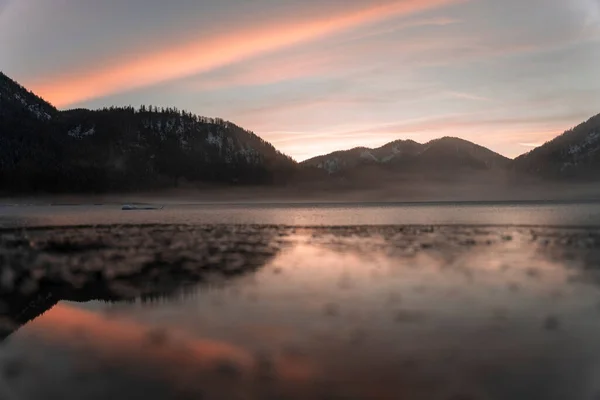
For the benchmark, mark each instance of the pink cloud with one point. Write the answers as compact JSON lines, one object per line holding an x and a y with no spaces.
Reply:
{"x":206,"y":54}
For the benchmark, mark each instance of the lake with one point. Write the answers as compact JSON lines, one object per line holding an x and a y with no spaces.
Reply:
{"x":330,"y":214}
{"x":336,"y":301}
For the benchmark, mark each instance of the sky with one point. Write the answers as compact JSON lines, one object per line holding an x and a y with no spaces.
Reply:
{"x":314,"y":76}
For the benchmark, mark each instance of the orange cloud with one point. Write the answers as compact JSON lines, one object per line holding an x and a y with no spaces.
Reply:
{"x":467,"y":96}
{"x":209,"y":53}
{"x":269,"y":71}
{"x":322,"y":62}
{"x":532,"y":145}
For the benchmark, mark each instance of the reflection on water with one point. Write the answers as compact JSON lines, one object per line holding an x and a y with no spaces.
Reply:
{"x":547,"y":214}
{"x":335,"y":313}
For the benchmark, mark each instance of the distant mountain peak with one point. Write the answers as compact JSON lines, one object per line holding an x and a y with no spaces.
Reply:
{"x":409,"y":154}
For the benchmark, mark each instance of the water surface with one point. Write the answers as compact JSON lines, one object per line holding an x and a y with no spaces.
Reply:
{"x":529,"y":213}
{"x":385,"y":312}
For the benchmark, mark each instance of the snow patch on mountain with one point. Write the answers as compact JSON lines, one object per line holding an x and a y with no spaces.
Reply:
{"x":395,"y":151}
{"x":35,"y":109}
{"x":184,"y":130}
{"x":591,"y":139}
{"x":215,"y":140}
{"x":578,"y":153}
{"x":331,"y":165}
{"x":368,"y":155}
{"x":79,"y":133}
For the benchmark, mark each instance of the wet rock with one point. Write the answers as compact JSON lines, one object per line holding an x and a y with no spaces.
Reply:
{"x":68,"y":247}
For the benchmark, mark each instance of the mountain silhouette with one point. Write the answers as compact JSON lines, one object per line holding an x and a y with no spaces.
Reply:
{"x":122,"y":148}
{"x":573,"y":155}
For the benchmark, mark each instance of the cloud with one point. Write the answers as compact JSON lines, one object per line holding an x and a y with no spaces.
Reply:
{"x":344,"y":57}
{"x":266,"y":71}
{"x":465,"y":122}
{"x":505,"y":134}
{"x":128,"y":72}
{"x":532,"y":145}
{"x":591,"y":10}
{"x":3,"y":5}
{"x":415,"y":23}
{"x":592,"y":18}
{"x":468,"y":96}
{"x":352,"y":55}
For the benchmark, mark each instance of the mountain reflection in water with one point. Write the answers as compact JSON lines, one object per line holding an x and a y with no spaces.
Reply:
{"x":350,"y":313}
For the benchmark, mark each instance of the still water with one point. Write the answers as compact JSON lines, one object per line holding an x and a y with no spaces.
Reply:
{"x":547,"y":214}
{"x":365,"y":312}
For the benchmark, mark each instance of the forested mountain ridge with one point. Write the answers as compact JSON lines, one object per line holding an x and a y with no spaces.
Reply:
{"x":122,"y":148}
{"x":448,"y":154}
{"x":19,"y":102}
{"x":42,"y":148}
{"x":573,"y":155}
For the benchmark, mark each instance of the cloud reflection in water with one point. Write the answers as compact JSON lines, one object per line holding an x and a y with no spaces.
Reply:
{"x":378,"y":313}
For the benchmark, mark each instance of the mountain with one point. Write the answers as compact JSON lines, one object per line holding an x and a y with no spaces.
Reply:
{"x":24,"y":124}
{"x":116,"y":149}
{"x":42,"y":148}
{"x":343,"y":160}
{"x":19,"y":102}
{"x":573,"y":155}
{"x":442,"y":156}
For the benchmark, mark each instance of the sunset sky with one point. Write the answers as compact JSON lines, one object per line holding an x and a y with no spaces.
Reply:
{"x":313,"y":76}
